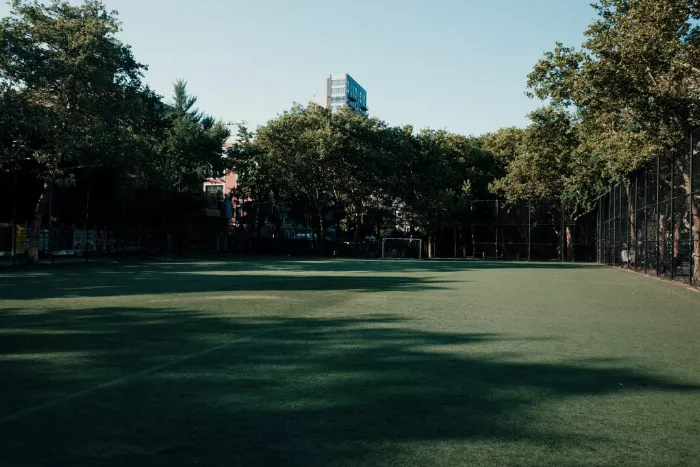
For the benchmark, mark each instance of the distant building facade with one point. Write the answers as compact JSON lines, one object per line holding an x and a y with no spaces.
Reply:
{"x":342,"y":90}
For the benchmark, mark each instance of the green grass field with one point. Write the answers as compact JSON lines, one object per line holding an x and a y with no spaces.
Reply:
{"x":319,"y":363}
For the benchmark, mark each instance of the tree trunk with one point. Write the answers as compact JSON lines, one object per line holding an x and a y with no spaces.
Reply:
{"x":661,"y":242}
{"x":33,"y":253}
{"x":676,"y":242}
{"x":569,"y":244}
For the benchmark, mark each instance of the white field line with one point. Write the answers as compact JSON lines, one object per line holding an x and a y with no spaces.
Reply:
{"x":116,"y":382}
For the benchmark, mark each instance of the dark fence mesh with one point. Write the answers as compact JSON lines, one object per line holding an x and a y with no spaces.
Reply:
{"x":522,"y":231}
{"x":401,"y":248}
{"x":114,"y":220}
{"x":650,"y":221}
{"x":108,"y":221}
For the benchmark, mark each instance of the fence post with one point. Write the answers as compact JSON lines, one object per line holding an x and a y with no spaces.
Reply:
{"x":658,"y":180}
{"x":454,"y":239}
{"x":13,"y":234}
{"x":646,"y":221}
{"x":690,"y":206}
{"x":497,"y":219}
{"x":673,"y":214}
{"x":619,"y":214}
{"x":610,"y":238}
{"x":614,"y":231}
{"x":529,"y":228}
{"x":597,"y":230}
{"x":573,"y":242}
{"x":48,"y":240}
{"x":13,"y":238}
{"x":85,"y":225}
{"x":636,"y":220}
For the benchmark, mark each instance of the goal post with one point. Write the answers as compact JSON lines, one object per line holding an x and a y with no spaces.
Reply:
{"x":402,"y":248}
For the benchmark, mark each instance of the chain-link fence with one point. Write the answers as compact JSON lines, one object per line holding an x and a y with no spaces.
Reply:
{"x":650,"y":222}
{"x":88,"y":223}
{"x":524,"y":231}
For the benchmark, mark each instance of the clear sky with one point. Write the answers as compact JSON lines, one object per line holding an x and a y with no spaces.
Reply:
{"x":454,"y":64}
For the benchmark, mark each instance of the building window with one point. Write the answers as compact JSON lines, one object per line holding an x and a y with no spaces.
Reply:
{"x":209,"y":172}
{"x":216,"y":191}
{"x":337,"y":90}
{"x":337,"y":82}
{"x":337,"y":98}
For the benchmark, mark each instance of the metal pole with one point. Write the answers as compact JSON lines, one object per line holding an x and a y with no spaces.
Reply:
{"x":13,"y":234}
{"x":636,"y":220}
{"x":471,"y":228}
{"x":646,"y":221}
{"x":454,"y":238}
{"x":597,"y":230}
{"x":673,"y":220}
{"x":562,"y":232}
{"x":658,"y":181}
{"x":619,"y":213}
{"x":614,"y":232}
{"x":48,"y":240}
{"x":85,"y":227}
{"x":573,"y":242}
{"x":497,"y":219}
{"x":690,"y":205}
{"x":529,"y":228}
{"x":610,"y":236}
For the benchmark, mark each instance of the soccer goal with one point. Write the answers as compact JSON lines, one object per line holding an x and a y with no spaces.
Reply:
{"x":402,"y":248}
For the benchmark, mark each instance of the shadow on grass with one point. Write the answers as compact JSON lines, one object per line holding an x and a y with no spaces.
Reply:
{"x":98,"y":280}
{"x":276,"y":391}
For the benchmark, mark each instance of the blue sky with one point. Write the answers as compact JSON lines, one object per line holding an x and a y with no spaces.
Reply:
{"x":454,"y":64}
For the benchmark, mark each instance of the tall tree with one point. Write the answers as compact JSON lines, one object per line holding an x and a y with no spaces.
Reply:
{"x":634,"y":82}
{"x":191,"y":147}
{"x":84,"y":84}
{"x":261,"y":188}
{"x":302,"y":147}
{"x":547,"y":164}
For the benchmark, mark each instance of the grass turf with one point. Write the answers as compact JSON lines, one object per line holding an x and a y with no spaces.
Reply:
{"x":276,"y":362}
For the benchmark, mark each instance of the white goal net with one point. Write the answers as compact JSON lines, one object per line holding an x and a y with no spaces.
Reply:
{"x":402,"y":248}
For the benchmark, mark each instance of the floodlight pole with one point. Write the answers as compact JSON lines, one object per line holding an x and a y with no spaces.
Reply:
{"x":383,"y":240}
